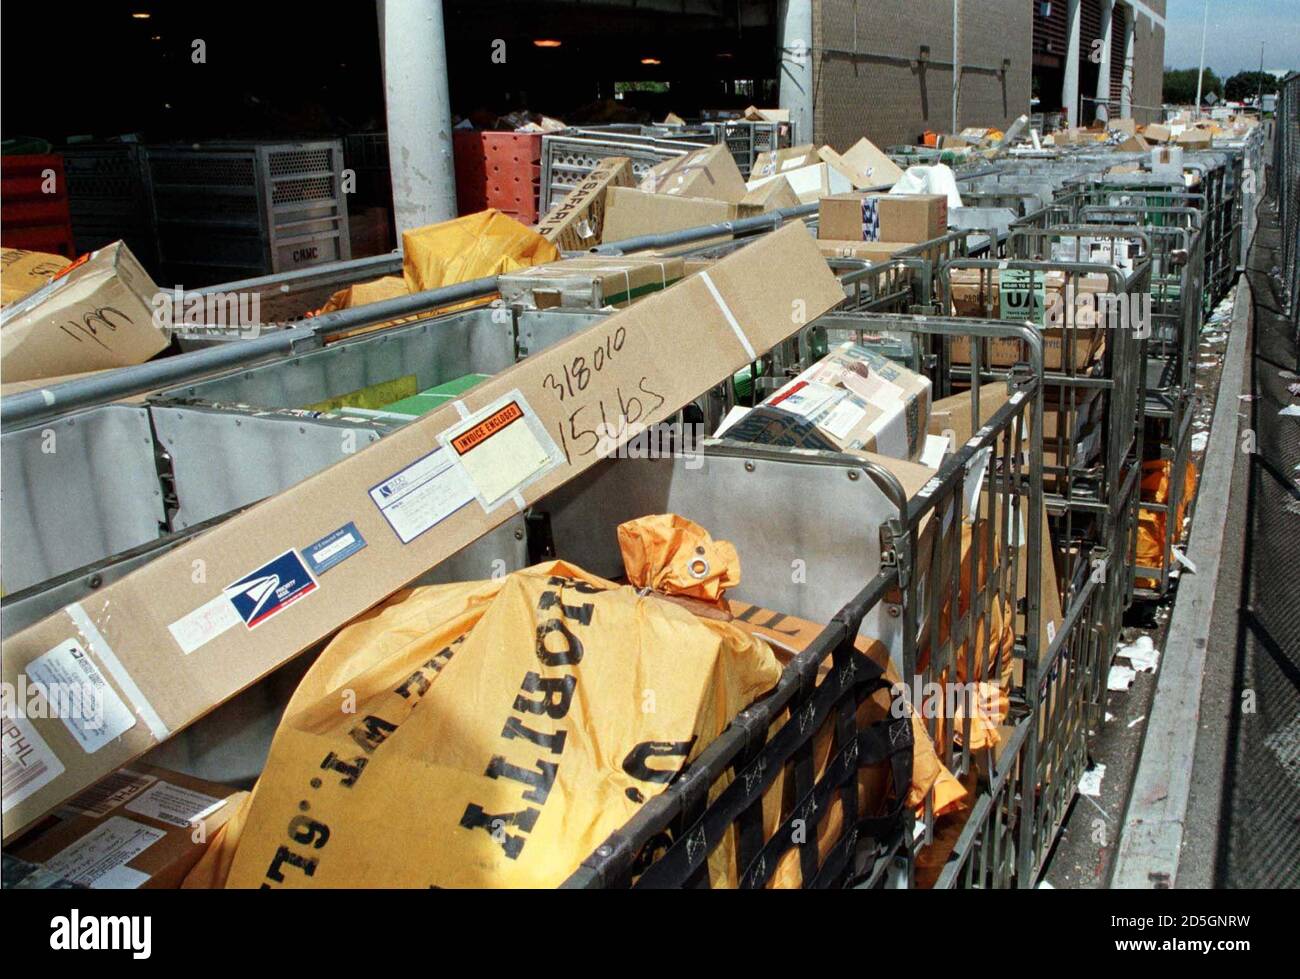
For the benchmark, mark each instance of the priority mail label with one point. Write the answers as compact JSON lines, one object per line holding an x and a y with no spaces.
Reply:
{"x":271,"y":588}
{"x":78,"y":695}
{"x":29,"y":764}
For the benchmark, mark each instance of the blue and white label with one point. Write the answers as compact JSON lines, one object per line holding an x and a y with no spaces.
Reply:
{"x":334,"y":548}
{"x":271,"y":588}
{"x":423,"y":494}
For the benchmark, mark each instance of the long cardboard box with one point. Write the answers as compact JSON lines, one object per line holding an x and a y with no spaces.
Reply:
{"x":576,"y":223}
{"x":865,"y":164}
{"x":630,"y":213}
{"x":779,"y":161}
{"x":167,"y":643}
{"x":810,"y":183}
{"x":97,"y":312}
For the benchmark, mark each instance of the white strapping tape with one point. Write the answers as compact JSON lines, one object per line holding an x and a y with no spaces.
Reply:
{"x":731,"y":320}
{"x":100,"y":647}
{"x":460,"y":409}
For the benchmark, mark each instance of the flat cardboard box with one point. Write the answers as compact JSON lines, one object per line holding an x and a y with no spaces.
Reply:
{"x":710,"y":173}
{"x":857,"y":216}
{"x":867,"y":251}
{"x":755,"y":114}
{"x":774,"y":195}
{"x":575,"y":223}
{"x":186,"y":632}
{"x":810,"y":183}
{"x":630,"y":213}
{"x":96,"y":313}
{"x":1156,"y":133}
{"x":779,"y":161}
{"x":142,"y":827}
{"x":23,"y":272}
{"x":590,"y":282}
{"x":851,"y":399}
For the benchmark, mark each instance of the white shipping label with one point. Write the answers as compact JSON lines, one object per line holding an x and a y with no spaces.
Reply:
{"x":502,"y":448}
{"x":97,"y":859}
{"x":423,"y":494}
{"x":843,"y":418}
{"x":174,"y":804}
{"x":204,"y":624}
{"x":78,"y":693}
{"x":29,"y":763}
{"x":808,"y":399}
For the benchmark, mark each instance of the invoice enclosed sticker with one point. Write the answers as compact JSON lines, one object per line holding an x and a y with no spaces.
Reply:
{"x":502,"y":449}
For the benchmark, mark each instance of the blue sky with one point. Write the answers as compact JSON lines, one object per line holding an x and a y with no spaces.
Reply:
{"x":1237,"y":27}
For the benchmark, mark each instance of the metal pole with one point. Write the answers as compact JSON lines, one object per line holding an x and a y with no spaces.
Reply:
{"x":1259,"y":99}
{"x":797,"y":67}
{"x":956,"y":64}
{"x":414,"y":53}
{"x":1200,"y":75}
{"x":1070,"y":87}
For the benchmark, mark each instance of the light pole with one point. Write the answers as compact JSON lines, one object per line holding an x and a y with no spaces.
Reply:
{"x":1200,"y":76}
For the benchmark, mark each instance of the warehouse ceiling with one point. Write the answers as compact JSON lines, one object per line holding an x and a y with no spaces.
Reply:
{"x":202,"y":70}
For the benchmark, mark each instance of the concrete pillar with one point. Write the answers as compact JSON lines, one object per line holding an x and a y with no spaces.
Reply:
{"x":416,"y":94}
{"x":797,"y":66}
{"x":1103,"y":67}
{"x":1130,"y":43}
{"x":1070,"y":87}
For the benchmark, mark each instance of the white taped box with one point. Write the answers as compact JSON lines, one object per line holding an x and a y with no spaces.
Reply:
{"x":853,"y":399}
{"x":405,"y":503}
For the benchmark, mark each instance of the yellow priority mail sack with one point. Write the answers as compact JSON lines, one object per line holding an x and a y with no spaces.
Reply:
{"x":489,"y":733}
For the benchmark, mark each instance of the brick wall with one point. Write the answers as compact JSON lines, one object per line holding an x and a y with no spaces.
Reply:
{"x":881,"y":92}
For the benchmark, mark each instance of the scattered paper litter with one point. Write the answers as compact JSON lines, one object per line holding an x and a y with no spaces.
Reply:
{"x":1045,"y":886}
{"x":1183,"y":559}
{"x":1200,"y":440}
{"x":1290,"y":411}
{"x":1136,"y":721}
{"x":1141,"y":653}
{"x":1090,"y":783}
{"x":1120,"y":678}
{"x":1109,"y":717}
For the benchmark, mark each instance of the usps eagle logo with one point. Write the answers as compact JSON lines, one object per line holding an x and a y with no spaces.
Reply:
{"x":271,"y":588}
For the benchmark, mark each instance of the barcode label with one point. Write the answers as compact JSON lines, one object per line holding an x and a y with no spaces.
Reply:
{"x":172,"y":804}
{"x":109,"y":793}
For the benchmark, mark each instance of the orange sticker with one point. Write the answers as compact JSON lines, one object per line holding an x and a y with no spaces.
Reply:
{"x":488,"y":427}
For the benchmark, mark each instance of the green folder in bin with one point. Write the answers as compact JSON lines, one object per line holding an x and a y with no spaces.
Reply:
{"x":435,"y":397}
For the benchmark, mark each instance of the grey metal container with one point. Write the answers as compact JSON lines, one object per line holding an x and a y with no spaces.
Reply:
{"x":229,"y":210}
{"x":109,"y":198}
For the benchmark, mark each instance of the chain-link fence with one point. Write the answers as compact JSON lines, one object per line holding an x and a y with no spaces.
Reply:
{"x":1286,"y":174}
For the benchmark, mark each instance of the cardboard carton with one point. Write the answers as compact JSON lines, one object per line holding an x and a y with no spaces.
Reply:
{"x":780,"y":161}
{"x":1126,"y":126}
{"x":852,"y":399}
{"x":1040,"y":300}
{"x":630,"y":213}
{"x":865,"y":164}
{"x":168,"y":642}
{"x":774,"y":195}
{"x":23,"y":272}
{"x":591,"y":282}
{"x":912,"y":218}
{"x":755,"y":114}
{"x":710,"y":173}
{"x":1133,"y":143}
{"x":810,"y":183}
{"x":142,"y":827}
{"x":97,"y":312}
{"x":1195,"y":139}
{"x":576,"y":223}
{"x":1156,"y":133}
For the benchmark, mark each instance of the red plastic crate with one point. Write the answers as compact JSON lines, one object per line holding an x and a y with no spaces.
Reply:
{"x":29,"y":217}
{"x":498,"y":169}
